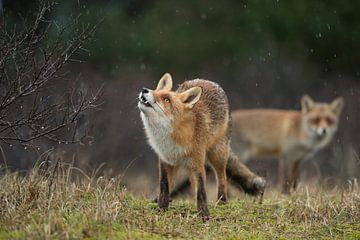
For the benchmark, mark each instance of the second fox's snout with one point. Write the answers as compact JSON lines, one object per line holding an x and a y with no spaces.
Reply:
{"x":321,"y":131}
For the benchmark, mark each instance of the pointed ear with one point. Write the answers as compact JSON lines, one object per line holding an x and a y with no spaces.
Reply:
{"x":191,"y":96}
{"x":307,"y":104}
{"x":165,"y":83}
{"x":337,"y":105}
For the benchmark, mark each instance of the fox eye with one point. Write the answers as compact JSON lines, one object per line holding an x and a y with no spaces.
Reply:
{"x":166,"y":99}
{"x":316,"y":120}
{"x":329,"y":120}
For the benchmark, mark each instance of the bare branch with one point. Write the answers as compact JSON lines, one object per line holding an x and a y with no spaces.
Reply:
{"x":32,"y":62}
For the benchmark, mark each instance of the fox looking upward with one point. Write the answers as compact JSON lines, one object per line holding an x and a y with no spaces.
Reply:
{"x":184,"y":128}
{"x":291,"y":136}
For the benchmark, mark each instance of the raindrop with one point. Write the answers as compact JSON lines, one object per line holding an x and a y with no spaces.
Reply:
{"x":328,"y":26}
{"x":334,"y":55}
{"x":25,"y":147}
{"x":318,"y":35}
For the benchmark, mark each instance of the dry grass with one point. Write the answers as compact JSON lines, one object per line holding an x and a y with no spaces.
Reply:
{"x":53,"y":205}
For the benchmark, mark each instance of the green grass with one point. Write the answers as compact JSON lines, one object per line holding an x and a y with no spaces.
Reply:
{"x":51,"y":206}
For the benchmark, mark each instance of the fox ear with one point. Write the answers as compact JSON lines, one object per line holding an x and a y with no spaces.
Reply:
{"x":191,"y":96}
{"x":165,"y":83}
{"x":307,"y":104}
{"x":337,"y":105}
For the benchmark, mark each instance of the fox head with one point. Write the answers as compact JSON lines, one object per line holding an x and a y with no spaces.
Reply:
{"x":320,"y":120}
{"x":164,"y":105}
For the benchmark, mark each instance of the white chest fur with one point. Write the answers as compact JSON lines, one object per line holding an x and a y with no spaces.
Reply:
{"x":159,"y":132}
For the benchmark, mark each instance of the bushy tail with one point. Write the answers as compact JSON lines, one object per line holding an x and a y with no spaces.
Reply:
{"x":243,"y":178}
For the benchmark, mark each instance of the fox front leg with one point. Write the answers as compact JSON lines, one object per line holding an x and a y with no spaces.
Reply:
{"x":164,"y":196}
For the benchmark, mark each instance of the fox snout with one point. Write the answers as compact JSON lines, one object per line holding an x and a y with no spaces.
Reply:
{"x":144,"y":91}
{"x":145,"y":98}
{"x":321,"y":131}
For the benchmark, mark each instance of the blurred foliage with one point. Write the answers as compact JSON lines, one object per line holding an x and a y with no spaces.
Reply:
{"x":188,"y":35}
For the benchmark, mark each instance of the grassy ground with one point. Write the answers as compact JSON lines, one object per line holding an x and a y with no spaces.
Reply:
{"x":50,"y":206}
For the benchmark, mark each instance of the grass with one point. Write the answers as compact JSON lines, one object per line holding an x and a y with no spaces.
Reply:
{"x":52,"y":205}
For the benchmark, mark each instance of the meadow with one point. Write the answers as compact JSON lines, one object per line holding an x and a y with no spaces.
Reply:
{"x":53,"y":204}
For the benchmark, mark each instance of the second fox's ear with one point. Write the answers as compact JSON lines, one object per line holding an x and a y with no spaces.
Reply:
{"x":307,"y":104}
{"x":165,"y":83}
{"x":337,"y":105}
{"x":191,"y":96}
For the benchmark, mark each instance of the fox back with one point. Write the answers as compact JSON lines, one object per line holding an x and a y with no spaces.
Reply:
{"x":186,"y":121}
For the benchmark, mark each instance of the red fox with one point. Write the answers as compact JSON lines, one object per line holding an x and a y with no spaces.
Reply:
{"x":291,"y":136}
{"x":184,"y":127}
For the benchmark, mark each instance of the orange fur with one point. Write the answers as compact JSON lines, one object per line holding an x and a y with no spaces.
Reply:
{"x":291,"y":136}
{"x":184,"y":127}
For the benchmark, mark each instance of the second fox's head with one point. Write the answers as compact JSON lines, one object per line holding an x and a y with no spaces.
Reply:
{"x":165,"y":103}
{"x":321,"y":120}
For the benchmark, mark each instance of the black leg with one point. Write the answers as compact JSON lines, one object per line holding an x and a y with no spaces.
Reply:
{"x":201,"y":198}
{"x":164,"y":198}
{"x":182,"y":187}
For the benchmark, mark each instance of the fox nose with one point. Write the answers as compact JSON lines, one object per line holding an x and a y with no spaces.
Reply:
{"x":144,"y":90}
{"x":321,"y":131}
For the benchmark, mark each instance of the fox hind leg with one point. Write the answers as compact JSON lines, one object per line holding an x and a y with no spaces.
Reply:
{"x":218,"y":156}
{"x":290,"y":173}
{"x":295,"y":174}
{"x":198,"y":179}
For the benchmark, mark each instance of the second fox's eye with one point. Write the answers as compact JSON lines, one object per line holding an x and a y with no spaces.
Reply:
{"x":316,"y":120}
{"x":166,"y":99}
{"x":330,"y":121}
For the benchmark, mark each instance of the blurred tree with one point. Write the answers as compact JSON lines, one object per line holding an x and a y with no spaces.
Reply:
{"x":188,"y":35}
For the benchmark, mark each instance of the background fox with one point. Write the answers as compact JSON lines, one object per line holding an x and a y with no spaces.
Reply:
{"x":184,"y":128}
{"x":291,"y":136}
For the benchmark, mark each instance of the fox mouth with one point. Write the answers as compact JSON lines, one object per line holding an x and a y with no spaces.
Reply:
{"x":144,"y":101}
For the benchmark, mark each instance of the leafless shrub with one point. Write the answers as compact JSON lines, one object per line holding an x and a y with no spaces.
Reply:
{"x":34,"y":104}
